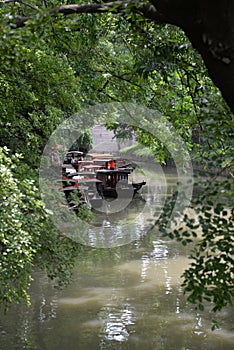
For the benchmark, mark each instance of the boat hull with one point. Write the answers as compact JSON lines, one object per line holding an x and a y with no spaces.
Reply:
{"x":121,"y":192}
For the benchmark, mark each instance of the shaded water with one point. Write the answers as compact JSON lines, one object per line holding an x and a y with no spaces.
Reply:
{"x":128,"y":297}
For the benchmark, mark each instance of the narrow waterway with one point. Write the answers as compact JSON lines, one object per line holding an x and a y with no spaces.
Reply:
{"x":126,"y":297}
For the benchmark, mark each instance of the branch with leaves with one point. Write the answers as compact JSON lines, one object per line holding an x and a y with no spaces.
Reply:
{"x":146,"y":10}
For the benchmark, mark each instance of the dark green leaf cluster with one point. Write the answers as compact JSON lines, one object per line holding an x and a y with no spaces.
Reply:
{"x":38,"y":90}
{"x":211,"y":275}
{"x":209,"y":224}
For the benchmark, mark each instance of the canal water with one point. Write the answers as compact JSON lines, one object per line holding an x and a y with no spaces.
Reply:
{"x":125,"y":297}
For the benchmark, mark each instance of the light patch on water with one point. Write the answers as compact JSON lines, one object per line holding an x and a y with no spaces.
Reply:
{"x":184,"y":319}
{"x":151,"y":273}
{"x":94,"y":295}
{"x":95,"y":323}
{"x":222,"y":334}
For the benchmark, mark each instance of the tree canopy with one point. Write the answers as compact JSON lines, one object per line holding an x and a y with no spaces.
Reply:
{"x":58,"y":58}
{"x":197,"y":18}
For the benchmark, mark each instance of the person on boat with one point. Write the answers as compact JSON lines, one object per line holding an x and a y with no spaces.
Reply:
{"x":111,"y":164}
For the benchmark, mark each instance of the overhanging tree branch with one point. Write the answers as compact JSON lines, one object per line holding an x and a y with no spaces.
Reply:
{"x":146,"y":10}
{"x":21,"y":2}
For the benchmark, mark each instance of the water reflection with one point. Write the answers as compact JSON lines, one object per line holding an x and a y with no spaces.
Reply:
{"x":123,"y":227}
{"x":130,"y":299}
{"x":47,"y":309}
{"x":132,"y":220}
{"x":117,"y":321}
{"x":127,"y":298}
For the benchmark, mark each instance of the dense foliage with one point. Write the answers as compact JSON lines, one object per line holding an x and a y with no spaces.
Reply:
{"x":54,"y":66}
{"x":27,"y":237}
{"x":83,"y":143}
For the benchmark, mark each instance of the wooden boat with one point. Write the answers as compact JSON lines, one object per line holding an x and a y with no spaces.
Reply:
{"x":89,"y":188}
{"x":115,"y":183}
{"x":82,"y":174}
{"x":104,"y":179}
{"x":111,"y":162}
{"x":94,"y":156}
{"x":86,"y":190}
{"x":72,"y":158}
{"x":67,"y":181}
{"x":76,"y":155}
{"x":92,"y":167}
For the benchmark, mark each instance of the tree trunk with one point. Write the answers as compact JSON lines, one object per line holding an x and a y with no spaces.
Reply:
{"x":209,"y":25}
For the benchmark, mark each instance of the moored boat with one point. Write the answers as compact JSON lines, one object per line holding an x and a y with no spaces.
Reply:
{"x":104,"y":177}
{"x":115,"y":183}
